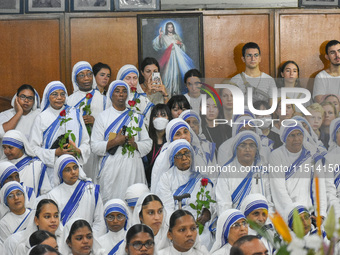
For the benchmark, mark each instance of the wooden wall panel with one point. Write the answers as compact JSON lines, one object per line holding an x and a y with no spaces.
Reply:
{"x":224,"y":37}
{"x":302,"y":38}
{"x":30,"y":53}
{"x":111,"y":40}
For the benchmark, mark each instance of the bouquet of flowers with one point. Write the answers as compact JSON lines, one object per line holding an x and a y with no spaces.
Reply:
{"x":87,"y":110}
{"x":203,"y":199}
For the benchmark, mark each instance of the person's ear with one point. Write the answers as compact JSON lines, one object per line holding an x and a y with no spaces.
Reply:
{"x":326,"y":57}
{"x":243,"y":59}
{"x":68,"y":243}
{"x":169,"y":235}
{"x":36,"y":221}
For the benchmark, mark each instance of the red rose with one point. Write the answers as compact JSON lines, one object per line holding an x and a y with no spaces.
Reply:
{"x":132,"y":103}
{"x":204,"y":182}
{"x":62,"y":113}
{"x":88,"y":96}
{"x":133,"y":89}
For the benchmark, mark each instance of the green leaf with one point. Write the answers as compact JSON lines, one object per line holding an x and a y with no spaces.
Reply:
{"x":136,"y":119}
{"x":137,"y":101}
{"x":137,"y":109}
{"x":130,"y":113}
{"x":73,"y":137}
{"x":199,"y":205}
{"x":330,"y":223}
{"x":200,"y":228}
{"x":81,"y":104}
{"x":192,"y":206}
{"x":258,"y":229}
{"x":297,"y":225}
{"x":138,"y":129}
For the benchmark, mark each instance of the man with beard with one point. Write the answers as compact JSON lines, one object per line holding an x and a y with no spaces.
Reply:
{"x":327,"y":81}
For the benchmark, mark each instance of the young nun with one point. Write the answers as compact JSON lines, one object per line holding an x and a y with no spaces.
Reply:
{"x":182,"y":178}
{"x":47,"y":129}
{"x":255,"y":207}
{"x":150,"y":211}
{"x":31,"y":170}
{"x":183,"y":235}
{"x":13,"y":195}
{"x":77,"y":238}
{"x":130,"y":75}
{"x":231,"y":225}
{"x":295,"y":182}
{"x":117,"y":218}
{"x":245,"y":175}
{"x":117,"y":171}
{"x":76,"y":195}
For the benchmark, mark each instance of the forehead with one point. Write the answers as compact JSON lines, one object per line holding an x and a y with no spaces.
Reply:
{"x":182,"y":151}
{"x":82,"y":231}
{"x":153,"y":205}
{"x":131,"y":75}
{"x":185,"y":220}
{"x":70,"y":164}
{"x":252,"y":51}
{"x":291,"y":66}
{"x":248,"y":141}
{"x":114,"y":213}
{"x":152,"y":66}
{"x":119,"y":88}
{"x":26,"y":92}
{"x":294,"y":132}
{"x":141,"y":236}
{"x":85,"y":71}
{"x":191,"y":119}
{"x":334,"y":48}
{"x":226,"y":92}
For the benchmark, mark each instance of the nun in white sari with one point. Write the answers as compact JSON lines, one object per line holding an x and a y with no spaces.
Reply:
{"x":113,"y":241}
{"x":79,"y":197}
{"x":47,"y":128}
{"x":32,"y":171}
{"x":117,"y":172}
{"x":145,"y":105}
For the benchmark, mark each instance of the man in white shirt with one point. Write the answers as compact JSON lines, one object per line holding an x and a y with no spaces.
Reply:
{"x":328,"y":80}
{"x":261,"y":83}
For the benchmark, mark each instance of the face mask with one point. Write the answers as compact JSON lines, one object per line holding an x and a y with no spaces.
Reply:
{"x":160,"y":123}
{"x":266,"y":122}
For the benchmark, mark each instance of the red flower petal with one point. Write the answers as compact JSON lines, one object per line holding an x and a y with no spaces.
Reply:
{"x":88,"y":96}
{"x":62,"y":113}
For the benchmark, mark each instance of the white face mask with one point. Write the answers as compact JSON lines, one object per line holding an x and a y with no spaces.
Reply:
{"x":266,"y":122}
{"x":160,"y":123}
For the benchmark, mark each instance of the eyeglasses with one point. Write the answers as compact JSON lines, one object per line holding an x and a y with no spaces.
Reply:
{"x":238,"y":225}
{"x":56,"y":94}
{"x":138,"y":245}
{"x":82,"y":76}
{"x":306,"y":216}
{"x":23,"y":98}
{"x":180,"y":155}
{"x":119,"y":217}
{"x":17,"y":194}
{"x":256,"y":55}
{"x":251,"y":146}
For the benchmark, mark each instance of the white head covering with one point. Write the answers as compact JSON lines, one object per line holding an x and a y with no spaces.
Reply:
{"x":8,"y":188}
{"x":60,"y":164}
{"x":112,"y":87}
{"x":125,"y":70}
{"x":17,"y":139}
{"x":289,"y":212}
{"x":77,"y":68}
{"x":333,"y":128}
{"x":240,"y":122}
{"x":253,"y":202}
{"x":173,"y":126}
{"x":134,"y":191}
{"x":224,"y":222}
{"x":178,"y":145}
{"x":65,"y":249}
{"x":247,"y":112}
{"x":6,"y":169}
{"x":191,"y":113}
{"x":36,"y":103}
{"x":118,"y":205}
{"x":51,"y":87}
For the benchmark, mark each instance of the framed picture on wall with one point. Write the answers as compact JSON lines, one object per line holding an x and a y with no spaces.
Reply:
{"x":319,"y":3}
{"x":92,"y":5}
{"x":11,"y":6}
{"x":137,"y":5}
{"x":176,"y":42}
{"x":46,"y":5}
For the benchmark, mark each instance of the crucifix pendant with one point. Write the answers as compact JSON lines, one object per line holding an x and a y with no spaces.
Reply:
{"x":257,"y":177}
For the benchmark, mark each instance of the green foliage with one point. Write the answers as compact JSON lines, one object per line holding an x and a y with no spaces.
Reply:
{"x":297,"y":225}
{"x":330,"y":223}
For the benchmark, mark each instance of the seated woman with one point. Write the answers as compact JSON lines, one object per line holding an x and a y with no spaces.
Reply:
{"x":130,"y":74}
{"x":26,"y":104}
{"x":231,"y":225}
{"x":102,"y":74}
{"x":14,"y":197}
{"x":183,"y":235}
{"x":154,"y":90}
{"x":140,"y":240}
{"x":75,"y":195}
{"x":117,"y":218}
{"x":182,"y":178}
{"x":149,"y":211}
{"x":192,"y":80}
{"x":78,"y":238}
{"x":177,"y":104}
{"x":107,"y":142}
{"x":54,"y":121}
{"x":43,"y":237}
{"x":31,"y":170}
{"x":330,"y":114}
{"x":334,"y":99}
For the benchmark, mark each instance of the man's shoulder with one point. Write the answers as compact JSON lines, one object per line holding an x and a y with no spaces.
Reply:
{"x":323,"y":74}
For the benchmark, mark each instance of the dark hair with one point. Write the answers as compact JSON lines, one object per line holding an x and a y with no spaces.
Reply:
{"x":157,"y":108}
{"x":41,"y":205}
{"x":219,"y":116}
{"x":176,"y":215}
{"x":97,"y":67}
{"x":42,"y":249}
{"x":257,"y":104}
{"x":192,"y":73}
{"x":25,"y":86}
{"x":330,"y":44}
{"x":250,"y":45}
{"x":236,"y":251}
{"x":138,"y":228}
{"x":178,"y":100}
{"x":77,"y":225}
{"x":166,"y":28}
{"x":147,"y":61}
{"x":39,"y":236}
{"x":280,"y":82}
{"x":147,"y":200}
{"x":244,"y":239}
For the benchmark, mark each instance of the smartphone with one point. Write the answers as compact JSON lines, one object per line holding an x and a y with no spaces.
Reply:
{"x":156,"y":77}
